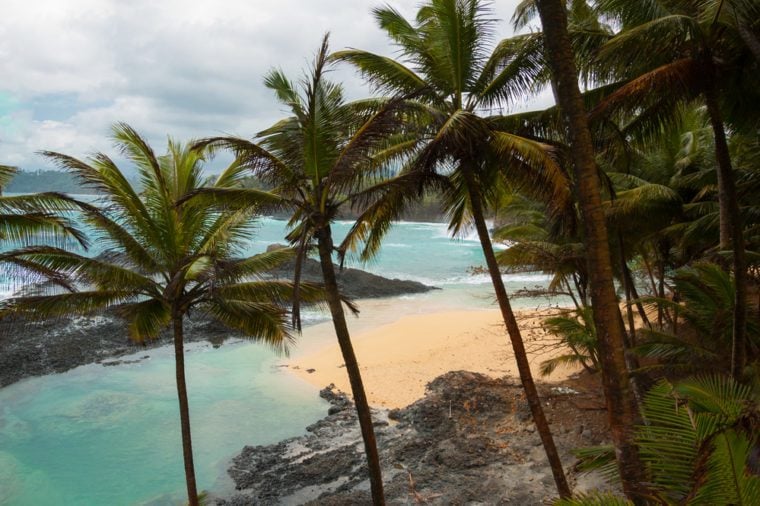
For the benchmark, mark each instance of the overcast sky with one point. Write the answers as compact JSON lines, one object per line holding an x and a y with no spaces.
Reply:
{"x":185,"y":68}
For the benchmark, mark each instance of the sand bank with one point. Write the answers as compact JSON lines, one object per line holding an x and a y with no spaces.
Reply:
{"x":398,"y":359}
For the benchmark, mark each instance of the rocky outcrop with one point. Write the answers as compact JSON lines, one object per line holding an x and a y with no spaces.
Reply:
{"x":57,"y":345}
{"x":470,"y":440}
{"x":353,"y":283}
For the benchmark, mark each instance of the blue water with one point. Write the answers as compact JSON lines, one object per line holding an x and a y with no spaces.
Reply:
{"x":110,"y":435}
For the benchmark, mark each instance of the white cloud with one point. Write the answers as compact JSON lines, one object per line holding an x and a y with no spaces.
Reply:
{"x":176,"y":67}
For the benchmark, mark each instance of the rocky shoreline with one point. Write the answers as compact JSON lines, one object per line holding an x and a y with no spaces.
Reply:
{"x":470,"y":440}
{"x":57,"y":345}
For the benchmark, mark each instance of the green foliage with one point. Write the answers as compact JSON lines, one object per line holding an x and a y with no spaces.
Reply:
{"x":448,"y":64}
{"x":327,"y":158}
{"x":706,"y":294}
{"x":697,"y":443}
{"x":698,"y":439}
{"x":539,"y":244}
{"x":576,"y":331}
{"x":35,"y":219}
{"x":163,"y":256}
{"x":598,"y":458}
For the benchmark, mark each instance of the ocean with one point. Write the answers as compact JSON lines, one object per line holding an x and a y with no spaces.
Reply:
{"x":110,"y":435}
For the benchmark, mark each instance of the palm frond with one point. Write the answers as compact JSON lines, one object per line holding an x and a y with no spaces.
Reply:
{"x":145,"y":319}
{"x":54,"y":306}
{"x":263,"y":322}
{"x":39,"y":227}
{"x":383,"y":73}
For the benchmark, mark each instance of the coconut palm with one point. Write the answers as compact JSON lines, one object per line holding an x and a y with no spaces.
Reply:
{"x":670,"y":52}
{"x":536,"y":244}
{"x":621,"y":406}
{"x":323,"y":159}
{"x":161,"y":259}
{"x":447,"y":61}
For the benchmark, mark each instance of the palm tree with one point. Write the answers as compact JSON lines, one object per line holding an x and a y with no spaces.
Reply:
{"x":537,"y":244}
{"x":162,"y":259}
{"x":325,"y":158}
{"x":671,"y":52}
{"x":448,"y":63}
{"x":621,"y":406}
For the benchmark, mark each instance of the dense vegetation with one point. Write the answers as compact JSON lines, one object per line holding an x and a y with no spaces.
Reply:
{"x":638,"y":197}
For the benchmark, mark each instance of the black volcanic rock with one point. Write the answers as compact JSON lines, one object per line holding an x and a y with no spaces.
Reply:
{"x":460,"y":444}
{"x":57,"y":345}
{"x":353,"y":283}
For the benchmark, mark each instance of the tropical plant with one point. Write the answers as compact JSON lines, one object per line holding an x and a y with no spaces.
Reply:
{"x":536,"y":246}
{"x":702,"y":339}
{"x":161,"y":259}
{"x":329,"y":156}
{"x":622,"y":410}
{"x":674,"y":52}
{"x":700,"y":442}
{"x":448,"y":63}
{"x":575,"y":331}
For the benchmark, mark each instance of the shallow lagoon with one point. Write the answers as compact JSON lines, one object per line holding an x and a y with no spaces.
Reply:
{"x":110,"y":435}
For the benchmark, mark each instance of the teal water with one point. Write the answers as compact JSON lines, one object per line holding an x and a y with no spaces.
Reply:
{"x":110,"y":435}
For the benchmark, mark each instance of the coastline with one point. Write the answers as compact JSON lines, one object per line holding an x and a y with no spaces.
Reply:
{"x":398,"y":358}
{"x":377,"y":317}
{"x":450,"y":417}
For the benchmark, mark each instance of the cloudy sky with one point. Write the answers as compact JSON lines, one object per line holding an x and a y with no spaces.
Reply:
{"x":185,"y":68}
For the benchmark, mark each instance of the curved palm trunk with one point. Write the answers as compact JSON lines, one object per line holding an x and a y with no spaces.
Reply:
{"x":184,"y":410}
{"x":731,"y":229}
{"x":325,"y":243}
{"x":523,"y":366}
{"x":621,"y":406}
{"x":637,"y":299}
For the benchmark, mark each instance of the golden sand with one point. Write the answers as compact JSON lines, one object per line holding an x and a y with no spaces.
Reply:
{"x":398,"y":359}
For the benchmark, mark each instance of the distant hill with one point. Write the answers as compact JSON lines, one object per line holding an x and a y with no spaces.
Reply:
{"x":45,"y":181}
{"x":429,"y":209}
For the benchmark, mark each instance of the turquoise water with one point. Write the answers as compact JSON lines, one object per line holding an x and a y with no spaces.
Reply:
{"x":110,"y":435}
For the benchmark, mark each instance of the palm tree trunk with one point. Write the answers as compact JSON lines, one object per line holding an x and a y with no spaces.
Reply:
{"x":325,"y":244}
{"x":730,"y":220}
{"x":184,"y":410}
{"x":749,"y":38}
{"x":523,"y":366}
{"x":621,"y":405}
{"x":661,"y":291}
{"x":627,"y":289}
{"x":572,"y":295}
{"x":635,"y":295}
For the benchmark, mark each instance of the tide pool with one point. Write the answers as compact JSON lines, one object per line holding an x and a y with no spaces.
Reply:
{"x":110,"y":435}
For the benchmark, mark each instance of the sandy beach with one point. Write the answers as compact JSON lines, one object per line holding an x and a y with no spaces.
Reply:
{"x":398,"y":359}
